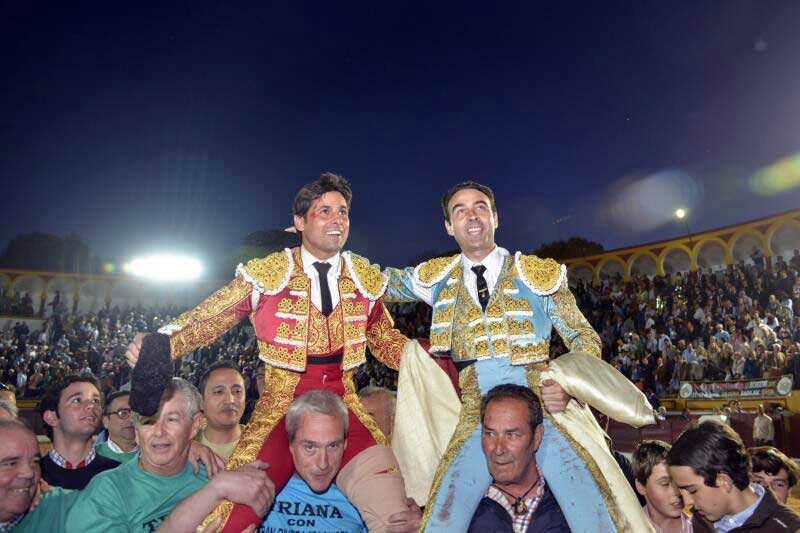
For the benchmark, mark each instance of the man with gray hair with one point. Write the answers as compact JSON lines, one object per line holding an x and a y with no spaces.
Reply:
{"x":316,"y":425}
{"x":140,"y":494}
{"x":379,"y":403}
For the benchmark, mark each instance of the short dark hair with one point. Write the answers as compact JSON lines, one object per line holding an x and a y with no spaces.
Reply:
{"x":113,"y":396}
{"x":711,"y":449}
{"x":646,"y":457}
{"x":770,"y":460}
{"x":52,"y":396}
{"x":225,"y":363}
{"x":509,"y":391}
{"x":467,"y":185}
{"x":327,"y":182}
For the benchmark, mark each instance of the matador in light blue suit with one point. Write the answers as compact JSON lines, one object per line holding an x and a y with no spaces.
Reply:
{"x":494,"y":313}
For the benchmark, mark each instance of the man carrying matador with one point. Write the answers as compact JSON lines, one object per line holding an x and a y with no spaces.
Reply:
{"x":314,"y":310}
{"x":494,"y":312}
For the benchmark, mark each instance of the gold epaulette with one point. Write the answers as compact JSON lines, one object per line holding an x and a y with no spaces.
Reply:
{"x":268,"y":275}
{"x":367,"y":277}
{"x":435,"y":270}
{"x":542,"y":276}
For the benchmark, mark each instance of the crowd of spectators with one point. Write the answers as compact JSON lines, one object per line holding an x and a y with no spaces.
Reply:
{"x":730,"y":324}
{"x":17,"y":304}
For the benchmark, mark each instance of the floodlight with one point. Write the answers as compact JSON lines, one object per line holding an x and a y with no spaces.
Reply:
{"x":680,"y":213}
{"x":165,"y":267}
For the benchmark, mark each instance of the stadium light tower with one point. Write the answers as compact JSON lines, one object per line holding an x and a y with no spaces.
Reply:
{"x":166,"y":267}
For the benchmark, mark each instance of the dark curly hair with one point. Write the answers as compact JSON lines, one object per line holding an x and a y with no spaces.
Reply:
{"x":711,"y":449}
{"x":327,"y":182}
{"x":52,"y":396}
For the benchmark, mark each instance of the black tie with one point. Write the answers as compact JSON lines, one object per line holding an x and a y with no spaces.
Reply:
{"x":327,"y":304}
{"x":483,"y":288}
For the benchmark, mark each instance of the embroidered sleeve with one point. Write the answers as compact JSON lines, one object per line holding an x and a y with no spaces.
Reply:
{"x":403,"y":287}
{"x":570,"y":323}
{"x":214,"y":316}
{"x":384,"y":341}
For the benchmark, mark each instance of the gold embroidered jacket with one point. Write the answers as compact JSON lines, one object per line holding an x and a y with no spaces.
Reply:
{"x":276,"y":294}
{"x":531,"y":297}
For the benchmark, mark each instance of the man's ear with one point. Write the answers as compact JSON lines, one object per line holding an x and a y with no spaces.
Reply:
{"x":299,"y":223}
{"x":639,"y":487}
{"x":537,"y":436}
{"x":106,"y":421}
{"x":724,"y":482}
{"x":50,"y":418}
{"x":496,"y":221}
{"x":448,"y":227}
{"x":197,"y":421}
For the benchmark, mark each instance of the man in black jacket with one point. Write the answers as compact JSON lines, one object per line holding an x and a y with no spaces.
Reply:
{"x":710,"y":466}
{"x":518,"y":499}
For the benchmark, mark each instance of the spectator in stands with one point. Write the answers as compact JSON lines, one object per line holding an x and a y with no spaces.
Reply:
{"x":763,"y":428}
{"x":8,"y":395}
{"x":223,"y":390}
{"x":7,"y":411}
{"x":118,"y":421}
{"x":663,"y":502}
{"x":19,"y":482}
{"x":519,"y":498}
{"x":140,"y":494}
{"x":710,"y":466}
{"x":379,"y":403}
{"x":71,"y":411}
{"x":774,"y":470}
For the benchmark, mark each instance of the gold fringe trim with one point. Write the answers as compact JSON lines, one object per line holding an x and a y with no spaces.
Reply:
{"x":354,"y":405}
{"x":468,"y":420}
{"x":279,"y":388}
{"x":532,"y":375}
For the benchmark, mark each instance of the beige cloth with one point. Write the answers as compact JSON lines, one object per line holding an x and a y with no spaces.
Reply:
{"x":425,"y":417}
{"x":596,"y":383}
{"x":224,"y":449}
{"x":374,"y":485}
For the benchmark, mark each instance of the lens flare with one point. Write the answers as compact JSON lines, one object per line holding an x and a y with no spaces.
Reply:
{"x":778,"y":177}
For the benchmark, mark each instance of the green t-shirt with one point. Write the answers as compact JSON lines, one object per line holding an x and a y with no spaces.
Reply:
{"x":105,"y":450}
{"x":129,"y":499}
{"x":51,"y":513}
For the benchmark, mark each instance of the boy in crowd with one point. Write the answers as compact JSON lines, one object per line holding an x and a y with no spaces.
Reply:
{"x":663,"y":503}
{"x":774,"y":470}
{"x":710,"y":466}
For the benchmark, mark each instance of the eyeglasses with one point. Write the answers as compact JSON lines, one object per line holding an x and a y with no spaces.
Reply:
{"x":123,"y":413}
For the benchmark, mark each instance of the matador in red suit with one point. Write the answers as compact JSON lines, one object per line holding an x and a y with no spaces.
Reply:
{"x":314,"y":309}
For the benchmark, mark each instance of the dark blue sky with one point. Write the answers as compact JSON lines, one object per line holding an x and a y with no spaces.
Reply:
{"x":188,"y":126}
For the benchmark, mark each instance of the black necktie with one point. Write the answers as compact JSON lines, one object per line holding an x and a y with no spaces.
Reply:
{"x":327,"y":303}
{"x":483,"y":288}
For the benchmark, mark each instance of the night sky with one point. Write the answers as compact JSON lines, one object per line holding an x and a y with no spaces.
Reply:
{"x":185,"y":127}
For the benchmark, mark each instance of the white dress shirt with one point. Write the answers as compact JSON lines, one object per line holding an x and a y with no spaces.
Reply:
{"x":313,"y":275}
{"x":493,"y":263}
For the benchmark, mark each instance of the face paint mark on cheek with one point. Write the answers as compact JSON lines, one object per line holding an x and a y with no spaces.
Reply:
{"x":312,"y":215}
